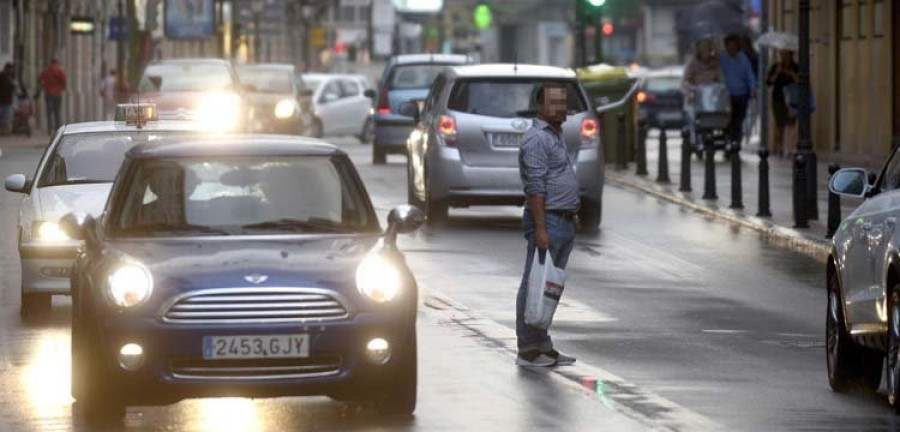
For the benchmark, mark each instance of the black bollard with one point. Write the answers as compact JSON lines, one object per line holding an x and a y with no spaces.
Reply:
{"x":709,"y":183}
{"x":622,"y":159}
{"x":737,"y":196}
{"x":685,"y":160}
{"x":641,"y":156}
{"x":801,"y":209}
{"x":834,"y":205}
{"x":812,"y":187}
{"x":764,"y":210}
{"x":663,"y":166}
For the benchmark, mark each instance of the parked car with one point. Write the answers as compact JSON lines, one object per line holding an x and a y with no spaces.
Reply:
{"x":863,"y":278}
{"x":406,"y":77}
{"x":248,"y":266}
{"x":203,"y":90}
{"x":274,"y":107}
{"x":465,"y":146}
{"x":74,"y":175}
{"x":339,"y":105}
{"x":661,"y":102}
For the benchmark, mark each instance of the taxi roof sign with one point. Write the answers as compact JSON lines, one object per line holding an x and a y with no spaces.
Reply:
{"x":136,"y":114}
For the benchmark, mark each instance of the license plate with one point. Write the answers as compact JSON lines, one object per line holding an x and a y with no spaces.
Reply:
{"x":256,"y":346}
{"x":506,"y":139}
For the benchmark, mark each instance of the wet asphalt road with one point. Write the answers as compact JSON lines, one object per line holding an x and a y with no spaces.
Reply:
{"x":677,"y":321}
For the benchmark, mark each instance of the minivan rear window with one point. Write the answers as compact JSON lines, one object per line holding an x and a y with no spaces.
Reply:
{"x":505,"y":98}
{"x":414,"y":77}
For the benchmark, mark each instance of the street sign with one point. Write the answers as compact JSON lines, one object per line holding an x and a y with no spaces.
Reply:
{"x":118,"y":29}
{"x":318,"y":36}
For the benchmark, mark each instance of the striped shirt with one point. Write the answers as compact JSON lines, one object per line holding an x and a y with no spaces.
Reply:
{"x":546,"y":168}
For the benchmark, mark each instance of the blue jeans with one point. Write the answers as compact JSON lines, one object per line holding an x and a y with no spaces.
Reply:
{"x":54,"y":107}
{"x":739,"y":104}
{"x":562,"y":239}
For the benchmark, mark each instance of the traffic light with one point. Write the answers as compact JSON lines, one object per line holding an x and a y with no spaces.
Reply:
{"x":607,"y":29}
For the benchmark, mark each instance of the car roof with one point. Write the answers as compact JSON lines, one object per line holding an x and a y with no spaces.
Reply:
{"x":430,"y":58}
{"x":113,"y":126}
{"x":193,"y":61}
{"x":234,"y":145}
{"x":284,"y":66}
{"x":511,"y":70}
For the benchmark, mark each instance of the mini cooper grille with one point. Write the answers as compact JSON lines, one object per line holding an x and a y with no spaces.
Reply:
{"x":254,"y":305}
{"x":255,"y":369}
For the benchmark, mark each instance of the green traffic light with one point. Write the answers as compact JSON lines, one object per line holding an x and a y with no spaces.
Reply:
{"x":596,"y":3}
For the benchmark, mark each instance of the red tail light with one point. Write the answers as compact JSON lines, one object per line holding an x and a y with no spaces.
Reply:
{"x":447,"y":129}
{"x":642,"y":97}
{"x":589,"y":128}
{"x":384,"y":106}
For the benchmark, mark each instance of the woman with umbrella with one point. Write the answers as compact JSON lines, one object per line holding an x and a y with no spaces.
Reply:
{"x":782,"y":75}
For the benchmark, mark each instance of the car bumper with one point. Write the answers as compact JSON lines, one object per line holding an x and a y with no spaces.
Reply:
{"x":46,"y":269}
{"x":462,"y":184}
{"x":392,"y":131}
{"x":173,"y":354}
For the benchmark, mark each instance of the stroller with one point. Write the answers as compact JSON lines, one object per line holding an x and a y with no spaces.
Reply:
{"x":21,"y":124}
{"x":710,"y":110}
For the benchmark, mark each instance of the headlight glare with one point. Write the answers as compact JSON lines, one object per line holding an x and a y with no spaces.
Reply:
{"x":130,"y":284}
{"x":285,"y":109}
{"x":50,"y":232}
{"x":378,"y":279}
{"x":219,"y":111}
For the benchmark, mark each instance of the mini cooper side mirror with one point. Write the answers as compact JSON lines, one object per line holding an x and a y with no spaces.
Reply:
{"x":76,"y":226}
{"x":850,"y":182}
{"x":16,"y":183}
{"x":403,"y":219}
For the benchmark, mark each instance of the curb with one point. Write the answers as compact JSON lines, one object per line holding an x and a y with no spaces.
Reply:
{"x":794,"y":240}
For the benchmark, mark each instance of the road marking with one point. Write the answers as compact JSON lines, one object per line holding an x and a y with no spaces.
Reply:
{"x":725,"y":331}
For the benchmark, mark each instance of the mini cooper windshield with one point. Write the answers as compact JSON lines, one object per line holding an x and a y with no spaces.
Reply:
{"x":242,"y":196}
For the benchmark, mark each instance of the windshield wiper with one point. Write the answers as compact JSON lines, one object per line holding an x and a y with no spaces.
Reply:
{"x":307,"y":225}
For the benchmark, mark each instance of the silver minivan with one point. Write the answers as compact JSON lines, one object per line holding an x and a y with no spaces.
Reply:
{"x":465,"y":146}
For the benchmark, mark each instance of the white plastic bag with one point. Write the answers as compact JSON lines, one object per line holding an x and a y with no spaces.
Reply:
{"x":545,"y":286}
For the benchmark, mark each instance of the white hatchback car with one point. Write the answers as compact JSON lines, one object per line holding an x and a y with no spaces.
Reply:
{"x":340,"y":105}
{"x":73,"y":176}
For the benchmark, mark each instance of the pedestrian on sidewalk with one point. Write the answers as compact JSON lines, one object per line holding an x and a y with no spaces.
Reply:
{"x":553,"y":200}
{"x":52,"y":81}
{"x":704,"y":68}
{"x":7,"y":96}
{"x":108,"y":94}
{"x":741,"y":84}
{"x":782,"y":74}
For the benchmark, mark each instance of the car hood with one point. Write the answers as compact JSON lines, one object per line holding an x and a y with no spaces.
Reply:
{"x":57,"y":201}
{"x":222,"y":262}
{"x":168,"y":103}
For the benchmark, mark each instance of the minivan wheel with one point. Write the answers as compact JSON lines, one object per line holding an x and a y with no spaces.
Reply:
{"x":400,"y":397}
{"x":893,"y":350}
{"x":95,"y":398}
{"x":847,"y":362}
{"x":378,"y":155}
{"x":367,"y":136}
{"x":435,"y":209}
{"x":590,"y":215}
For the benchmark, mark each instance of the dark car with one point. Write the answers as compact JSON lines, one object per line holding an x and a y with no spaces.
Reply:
{"x":406,"y":78}
{"x":241,"y":266}
{"x":273,"y":97}
{"x":661,"y":101}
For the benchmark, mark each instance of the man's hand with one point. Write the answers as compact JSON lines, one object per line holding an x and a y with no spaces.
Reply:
{"x":542,"y":237}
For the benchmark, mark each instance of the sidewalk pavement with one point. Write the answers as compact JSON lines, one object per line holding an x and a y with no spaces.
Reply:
{"x":777,"y":228}
{"x":36,"y":140}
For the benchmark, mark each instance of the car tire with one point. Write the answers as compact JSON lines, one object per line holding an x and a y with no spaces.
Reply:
{"x":35,"y":306}
{"x":379,"y":156}
{"x":96,"y":400}
{"x":590,"y":215}
{"x":399,"y":399}
{"x":893,"y":349}
{"x":847,"y":363}
{"x":436,"y":210}
{"x":367,"y":136}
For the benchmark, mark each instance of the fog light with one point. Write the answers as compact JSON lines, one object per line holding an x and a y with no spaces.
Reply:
{"x":378,"y":351}
{"x":131,"y":356}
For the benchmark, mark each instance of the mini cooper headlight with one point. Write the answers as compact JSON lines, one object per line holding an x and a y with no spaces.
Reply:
{"x":285,"y":108}
{"x":49,"y":232}
{"x":130,"y":284}
{"x":378,"y":279}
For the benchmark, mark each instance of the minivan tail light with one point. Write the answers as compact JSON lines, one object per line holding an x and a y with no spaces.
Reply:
{"x":590,"y":131}
{"x":447,"y":129}
{"x":383,"y":103}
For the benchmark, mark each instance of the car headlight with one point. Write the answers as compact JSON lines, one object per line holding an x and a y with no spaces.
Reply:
{"x":49,"y":232}
{"x":130,"y":284}
{"x":219,"y":111}
{"x":378,"y":279}
{"x":285,"y":108}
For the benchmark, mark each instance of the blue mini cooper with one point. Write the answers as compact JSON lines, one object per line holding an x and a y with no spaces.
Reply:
{"x":241,"y":266}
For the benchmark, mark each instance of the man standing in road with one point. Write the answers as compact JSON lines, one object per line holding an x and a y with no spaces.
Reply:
{"x":552,"y":194}
{"x":741,"y":84}
{"x":53,"y":83}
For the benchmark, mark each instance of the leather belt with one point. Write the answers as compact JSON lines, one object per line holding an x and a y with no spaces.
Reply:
{"x":568,"y":215}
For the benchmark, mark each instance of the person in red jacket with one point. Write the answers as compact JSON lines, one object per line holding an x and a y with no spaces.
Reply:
{"x":53,"y":83}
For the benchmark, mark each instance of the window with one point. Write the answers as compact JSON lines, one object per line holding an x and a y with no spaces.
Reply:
{"x":863,"y":19}
{"x":265,"y":80}
{"x":349,"y":88}
{"x":505,"y":97}
{"x":434,"y":93}
{"x":847,"y":19}
{"x":331,"y":92}
{"x":414,"y":77}
{"x":880,"y":16}
{"x":186,"y":77}
{"x":891,"y":180}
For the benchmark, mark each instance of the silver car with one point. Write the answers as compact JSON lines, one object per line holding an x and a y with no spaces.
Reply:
{"x":339,"y":105}
{"x":465,"y":145}
{"x":73,"y":176}
{"x":863,"y":274}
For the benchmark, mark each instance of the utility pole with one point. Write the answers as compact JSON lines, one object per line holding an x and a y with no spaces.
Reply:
{"x":805,"y":159}
{"x":580,"y":46}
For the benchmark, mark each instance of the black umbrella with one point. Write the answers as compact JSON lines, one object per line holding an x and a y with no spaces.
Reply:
{"x":712,"y":18}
